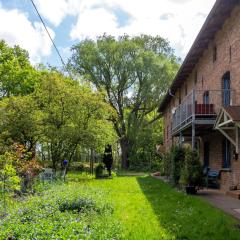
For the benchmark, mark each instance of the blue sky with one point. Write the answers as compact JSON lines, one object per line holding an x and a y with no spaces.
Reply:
{"x":70,"y":21}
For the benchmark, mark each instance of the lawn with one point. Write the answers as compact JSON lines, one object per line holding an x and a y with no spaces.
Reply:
{"x":131,"y":207}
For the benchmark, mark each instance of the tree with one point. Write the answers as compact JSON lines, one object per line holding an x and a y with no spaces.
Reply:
{"x":73,"y":115}
{"x":20,"y":122}
{"x":134,"y":72}
{"x":9,"y":181}
{"x":17,"y":75}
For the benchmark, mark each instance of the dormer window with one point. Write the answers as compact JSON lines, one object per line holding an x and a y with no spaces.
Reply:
{"x":214,"y":53}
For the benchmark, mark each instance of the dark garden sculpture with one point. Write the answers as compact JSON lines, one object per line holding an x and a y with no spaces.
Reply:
{"x":108,"y":158}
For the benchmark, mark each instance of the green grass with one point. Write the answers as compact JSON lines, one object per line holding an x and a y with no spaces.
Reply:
{"x":137,"y":207}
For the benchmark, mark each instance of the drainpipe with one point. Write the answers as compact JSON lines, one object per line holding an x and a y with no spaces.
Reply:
{"x":193,"y":120}
{"x":237,"y":140}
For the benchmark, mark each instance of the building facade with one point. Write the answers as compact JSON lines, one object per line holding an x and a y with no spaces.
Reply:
{"x":202,"y":107}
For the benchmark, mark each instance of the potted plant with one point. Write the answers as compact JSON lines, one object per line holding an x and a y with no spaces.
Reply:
{"x":191,"y":173}
{"x":99,"y":171}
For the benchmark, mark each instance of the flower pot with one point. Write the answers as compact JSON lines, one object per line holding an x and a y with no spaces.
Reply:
{"x":191,"y":189}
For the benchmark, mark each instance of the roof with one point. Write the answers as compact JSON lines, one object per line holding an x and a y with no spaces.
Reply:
{"x":215,"y":20}
{"x":233,"y":112}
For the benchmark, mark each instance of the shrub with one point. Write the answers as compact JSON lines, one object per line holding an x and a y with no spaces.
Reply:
{"x":99,"y":170}
{"x":29,"y":170}
{"x":9,"y":181}
{"x":177,"y":160}
{"x":191,"y":173}
{"x":78,"y":205}
{"x":166,"y":165}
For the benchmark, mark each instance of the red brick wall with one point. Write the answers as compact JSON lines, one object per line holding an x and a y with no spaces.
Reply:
{"x":212,"y":72}
{"x":209,"y":77}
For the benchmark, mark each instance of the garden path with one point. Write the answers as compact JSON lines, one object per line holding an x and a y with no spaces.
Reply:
{"x":220,"y":200}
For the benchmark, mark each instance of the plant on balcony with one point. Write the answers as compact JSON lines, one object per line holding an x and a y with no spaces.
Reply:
{"x":191,"y":172}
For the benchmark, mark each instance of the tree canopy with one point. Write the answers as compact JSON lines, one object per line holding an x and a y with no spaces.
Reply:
{"x":135,"y":73}
{"x":43,"y":109}
{"x":18,"y":76}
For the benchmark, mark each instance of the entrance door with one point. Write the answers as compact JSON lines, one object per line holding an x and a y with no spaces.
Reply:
{"x":226,"y":90}
{"x":226,"y":151}
{"x":206,"y":154}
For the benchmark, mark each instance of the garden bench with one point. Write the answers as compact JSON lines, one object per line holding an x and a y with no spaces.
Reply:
{"x":212,"y":178}
{"x":47,"y":174}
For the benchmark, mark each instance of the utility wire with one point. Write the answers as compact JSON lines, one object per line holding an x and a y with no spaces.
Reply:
{"x":48,"y":33}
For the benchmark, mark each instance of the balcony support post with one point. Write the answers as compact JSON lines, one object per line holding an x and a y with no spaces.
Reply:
{"x":180,"y":139}
{"x":193,"y":120}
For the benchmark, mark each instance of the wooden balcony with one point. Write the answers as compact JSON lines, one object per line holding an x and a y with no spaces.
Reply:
{"x":199,"y":109}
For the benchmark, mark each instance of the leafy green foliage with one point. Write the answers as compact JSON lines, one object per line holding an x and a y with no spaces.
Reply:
{"x":134,"y":72}
{"x":9,"y":181}
{"x":18,"y":77}
{"x":177,"y":161}
{"x":143,"y":155}
{"x":191,"y":173}
{"x":73,"y":116}
{"x":20,"y":122}
{"x":59,"y":213}
{"x":130,"y":208}
{"x":166,"y":164}
{"x":77,"y":205}
{"x":99,"y":170}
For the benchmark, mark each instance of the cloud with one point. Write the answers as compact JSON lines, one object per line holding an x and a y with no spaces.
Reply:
{"x":54,"y":10}
{"x":89,"y":26}
{"x":178,"y":21}
{"x":16,"y":29}
{"x":166,"y":16}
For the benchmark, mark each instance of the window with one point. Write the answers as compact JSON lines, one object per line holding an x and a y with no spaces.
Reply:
{"x":167,"y":131}
{"x":202,"y":81}
{"x":226,"y":85}
{"x":206,"y":97}
{"x":214,"y":53}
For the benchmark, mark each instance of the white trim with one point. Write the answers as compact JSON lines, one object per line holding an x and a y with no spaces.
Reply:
{"x":222,"y":121}
{"x":225,"y":123}
{"x":227,"y":136}
{"x":228,"y":128}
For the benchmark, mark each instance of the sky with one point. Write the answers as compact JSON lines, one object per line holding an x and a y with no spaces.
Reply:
{"x":71,"y":21}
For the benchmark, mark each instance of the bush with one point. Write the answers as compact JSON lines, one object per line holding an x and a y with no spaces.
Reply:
{"x":99,"y":170}
{"x":59,"y":213}
{"x":191,"y":173}
{"x":9,"y":181}
{"x":78,"y":205}
{"x":166,"y":165}
{"x":177,"y":160}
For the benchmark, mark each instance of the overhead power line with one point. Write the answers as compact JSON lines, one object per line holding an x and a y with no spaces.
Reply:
{"x":49,"y":35}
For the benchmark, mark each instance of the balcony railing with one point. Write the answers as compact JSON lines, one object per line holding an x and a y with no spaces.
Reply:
{"x":200,"y":104}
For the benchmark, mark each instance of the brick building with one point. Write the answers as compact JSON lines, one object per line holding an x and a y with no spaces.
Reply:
{"x":202,"y":107}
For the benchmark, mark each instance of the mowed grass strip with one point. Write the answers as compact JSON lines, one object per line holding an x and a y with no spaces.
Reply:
{"x":151,"y":209}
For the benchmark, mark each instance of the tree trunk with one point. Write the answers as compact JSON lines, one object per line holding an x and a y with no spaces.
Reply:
{"x":125,"y":154}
